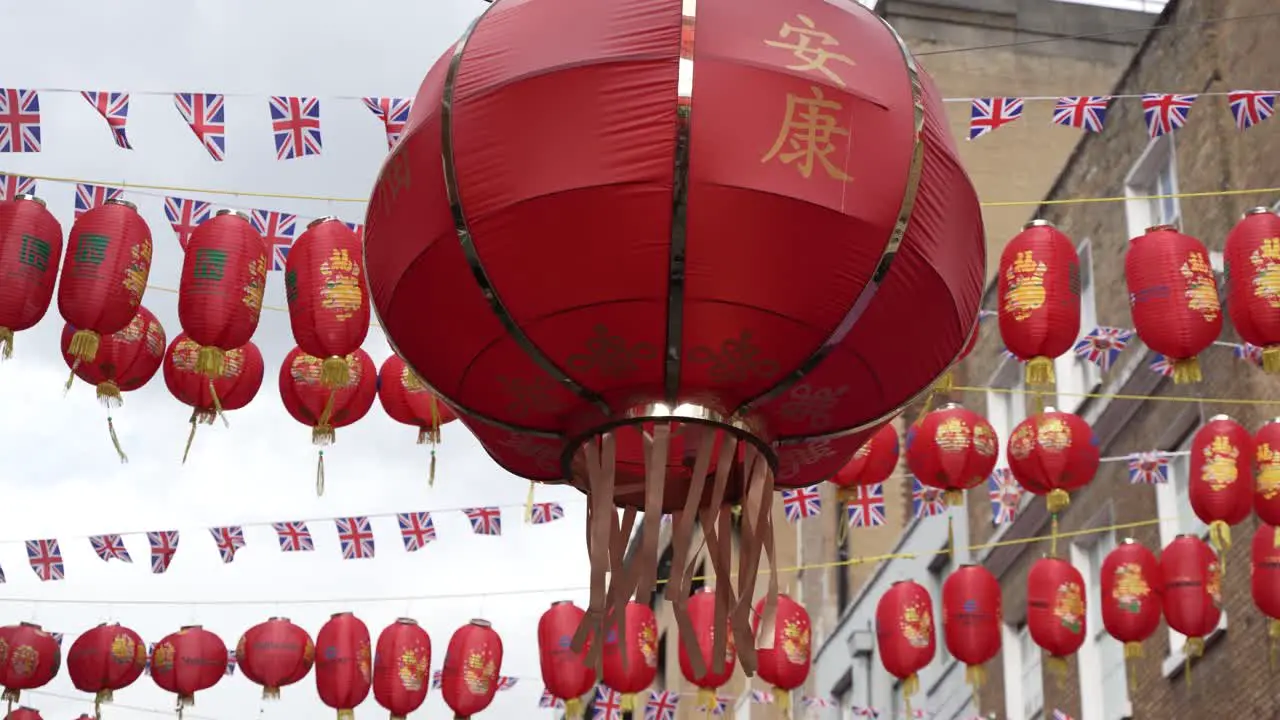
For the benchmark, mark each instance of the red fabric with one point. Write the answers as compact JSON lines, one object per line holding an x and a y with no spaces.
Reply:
{"x":973,"y":340}
{"x":274,"y":654}
{"x":343,"y":662}
{"x":873,"y":463}
{"x":1192,"y":586}
{"x":971,"y":614}
{"x":241,"y":378}
{"x":106,"y":269}
{"x":33,"y":658}
{"x":1265,"y":579}
{"x":639,"y":630}
{"x":786,"y":664}
{"x":564,"y":673}
{"x":188,"y":661}
{"x":305,"y":398}
{"x":30,"y":254}
{"x":1252,"y":259}
{"x":106,"y":658}
{"x":702,"y":615}
{"x":224,"y":274}
{"x":1266,"y":494}
{"x":406,"y":399}
{"x":1056,"y":606}
{"x":402,"y":667}
{"x":1131,"y":592}
{"x":327,"y":291}
{"x":1173,"y":295}
{"x":472,"y":664}
{"x":753,"y":310}
{"x":905,"y":635}
{"x":26,"y":713}
{"x":1038,"y":303}
{"x":1053,"y":451}
{"x":1221,"y":482}
{"x":129,"y":358}
{"x":952,"y":448}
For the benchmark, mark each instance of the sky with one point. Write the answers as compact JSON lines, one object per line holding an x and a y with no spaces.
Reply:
{"x":59,"y":476}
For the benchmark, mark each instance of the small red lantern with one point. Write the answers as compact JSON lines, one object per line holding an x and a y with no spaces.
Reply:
{"x":1053,"y":453}
{"x":188,"y":661}
{"x":1221,"y":483}
{"x":1131,"y":585}
{"x":1039,"y":298}
{"x":1173,"y":297}
{"x":241,"y":378}
{"x":325,"y":410}
{"x":105,"y":273}
{"x":33,"y":659}
{"x":328,"y":297}
{"x":402,"y":667}
{"x":275,"y":653}
{"x":631,"y":659}
{"x":952,"y":449}
{"x":1265,"y":581}
{"x":1251,"y":257}
{"x":971,"y":617}
{"x":26,"y":713}
{"x":344,"y":666}
{"x":107,"y":658}
{"x":407,"y":400}
{"x":472,"y":662}
{"x":565,"y":673}
{"x":1266,"y":492}
{"x":706,"y":637}
{"x":873,"y":463}
{"x":30,"y":251}
{"x":1192,"y":590}
{"x":785,"y":663}
{"x":905,"y":634}
{"x":224,"y":275}
{"x":1056,"y":610}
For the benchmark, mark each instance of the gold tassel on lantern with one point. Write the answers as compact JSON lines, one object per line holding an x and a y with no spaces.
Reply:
{"x":1193,"y":649}
{"x":1057,"y":501}
{"x":975,"y":675}
{"x":1057,"y":667}
{"x":71,"y":377}
{"x":946,"y":383}
{"x":84,"y":345}
{"x":1273,"y":632}
{"x":320,"y":475}
{"x":628,"y":702}
{"x":335,"y":372}
{"x":198,"y":417}
{"x":217,"y":404}
{"x":707,"y":699}
{"x":1220,"y":539}
{"x":1186,"y":370}
{"x":210,"y":362}
{"x":6,"y":343}
{"x":528,"y":504}
{"x":1132,"y":651}
{"x":115,"y":440}
{"x":1040,"y":371}
{"x":433,"y":434}
{"x":109,"y":394}
{"x":1270,"y":358}
{"x":573,"y":708}
{"x":782,"y":701}
{"x":910,"y":686}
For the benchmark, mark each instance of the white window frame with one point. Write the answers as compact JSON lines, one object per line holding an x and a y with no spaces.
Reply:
{"x":1011,"y":652}
{"x":1077,"y":376}
{"x":1144,"y":180}
{"x":1093,"y":697}
{"x":1030,"y":658}
{"x":1005,"y":410}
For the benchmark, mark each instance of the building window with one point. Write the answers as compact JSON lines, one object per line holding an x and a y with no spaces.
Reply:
{"x":1104,"y":693}
{"x":939,"y":568}
{"x":1155,"y":174}
{"x":1077,"y":376}
{"x":660,"y":680}
{"x":844,"y":703}
{"x":1006,"y":409}
{"x":1032,"y":676}
{"x":843,"y":594}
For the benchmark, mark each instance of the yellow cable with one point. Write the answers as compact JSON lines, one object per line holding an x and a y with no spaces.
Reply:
{"x":1123,"y":396}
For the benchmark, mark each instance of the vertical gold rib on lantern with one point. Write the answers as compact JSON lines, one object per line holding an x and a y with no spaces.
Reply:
{"x":1186,"y":370}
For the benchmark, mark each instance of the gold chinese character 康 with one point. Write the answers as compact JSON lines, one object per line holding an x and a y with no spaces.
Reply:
{"x":807,"y":129}
{"x":809,"y":45}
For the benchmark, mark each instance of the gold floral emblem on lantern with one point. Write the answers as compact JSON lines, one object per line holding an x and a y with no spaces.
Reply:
{"x":728,"y":644}
{"x":984,"y":440}
{"x":232,"y":363}
{"x":1053,"y":434}
{"x":1213,"y":583}
{"x":649,"y":645}
{"x":479,"y":672}
{"x":163,"y":658}
{"x":308,"y":651}
{"x":341,"y":291}
{"x":1268,"y":471}
{"x":123,"y":649}
{"x":916,"y":625}
{"x":1026,"y":286}
{"x":412,"y":669}
{"x":154,"y":339}
{"x":1219,"y":463}
{"x":411,"y":382}
{"x":1068,"y":606}
{"x":1022,"y":442}
{"x":1202,"y":291}
{"x":1130,"y":587}
{"x":23,"y":660}
{"x":256,"y":286}
{"x":134,"y":331}
{"x":306,"y":369}
{"x":863,"y":450}
{"x":364,"y":661}
{"x":795,"y":641}
{"x":1266,"y":265}
{"x":140,"y":656}
{"x":185,"y":354}
{"x":952,"y":435}
{"x":135,"y":274}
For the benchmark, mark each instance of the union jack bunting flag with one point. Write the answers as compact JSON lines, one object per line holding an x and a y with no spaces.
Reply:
{"x":762,"y":697}
{"x":607,"y":705}
{"x":437,"y":679}
{"x":661,"y":705}
{"x":231,"y":662}
{"x":1103,"y":345}
{"x":1085,"y":112}
{"x":485,"y":520}
{"x":164,"y":545}
{"x":89,"y":196}
{"x":815,"y":702}
{"x":11,"y":186}
{"x":295,"y":122}
{"x":1148,"y":468}
{"x":1251,"y":354}
{"x":394,"y":114}
{"x":356,"y":228}
{"x":57,"y":637}
{"x":46,"y":559}
{"x":110,"y":547}
{"x":1165,"y":112}
{"x":114,"y":108}
{"x":1161,"y":366}
{"x":545,"y":512}
{"x":151,"y":650}
{"x":926,"y":501}
{"x":506,"y":682}
{"x":801,"y":503}
{"x":19,"y":121}
{"x":1004,"y":352}
{"x":866,"y":507}
{"x":1059,"y":715}
{"x":356,"y":536}
{"x":990,"y":114}
{"x":1250,"y":107}
{"x":294,"y":536}
{"x":866,"y":711}
{"x":1005,"y":494}
{"x":229,"y":539}
{"x":416,"y":530}
{"x":185,"y":215}
{"x":549,"y":701}
{"x":277,"y":229}
{"x":718,"y":706}
{"x":205,"y":115}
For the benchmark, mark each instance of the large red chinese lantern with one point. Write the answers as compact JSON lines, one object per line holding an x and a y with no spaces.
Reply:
{"x":32,"y":660}
{"x":1056,"y":610}
{"x":472,"y":662}
{"x":564,"y":672}
{"x":1192,"y":591}
{"x":324,"y":409}
{"x":241,"y":378}
{"x":402,"y":668}
{"x":1266,"y":492}
{"x":904,"y":633}
{"x":408,"y":401}
{"x":1173,"y":297}
{"x":188,"y":661}
{"x":630,"y":661}
{"x":275,"y":653}
{"x":697,"y":320}
{"x":873,"y":463}
{"x":30,"y":251}
{"x":328,"y":297}
{"x":1053,"y":453}
{"x":1038,"y":302}
{"x":1251,"y":257}
{"x":1131,"y":587}
{"x":1221,"y":483}
{"x":971,"y":617}
{"x":104,"y":275}
{"x":344,"y":664}
{"x":1265,"y":580}
{"x":785,"y":657}
{"x":224,"y":274}
{"x":104,"y":659}
{"x":952,"y":449}
{"x":709,"y":641}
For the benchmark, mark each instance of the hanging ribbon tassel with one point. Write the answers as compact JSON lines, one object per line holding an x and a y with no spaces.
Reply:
{"x":706,"y":699}
{"x":782,"y":701}
{"x":528,"y":504}
{"x":1220,"y":539}
{"x":1273,"y":631}
{"x":976,"y":677}
{"x":910,"y":686}
{"x":6,"y":343}
{"x":1193,"y":649}
{"x":1053,"y":536}
{"x":320,"y":475}
{"x":573,"y":708}
{"x":1058,"y":668}
{"x":71,"y":378}
{"x":217,"y":404}
{"x":1132,"y":651}
{"x":433,"y":435}
{"x":115,"y":440}
{"x":327,"y":413}
{"x":191,"y":437}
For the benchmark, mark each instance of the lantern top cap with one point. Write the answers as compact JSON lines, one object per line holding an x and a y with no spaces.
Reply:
{"x":1220,"y":416}
{"x":229,"y":211}
{"x":340,"y":614}
{"x":951,"y":406}
{"x":119,"y":201}
{"x":323,"y":219}
{"x":30,"y":625}
{"x":558,"y":603}
{"x":1049,"y":409}
{"x":1186,"y":535}
{"x":185,"y":628}
{"x":33,"y":198}
{"x":481,"y":623}
{"x":1258,"y":211}
{"x":1155,"y":228}
{"x":1129,"y":541}
{"x":1039,"y":222}
{"x":277,"y":619}
{"x":406,"y":621}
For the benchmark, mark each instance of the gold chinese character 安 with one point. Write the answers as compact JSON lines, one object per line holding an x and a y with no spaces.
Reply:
{"x":809,"y":45}
{"x":807,"y":133}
